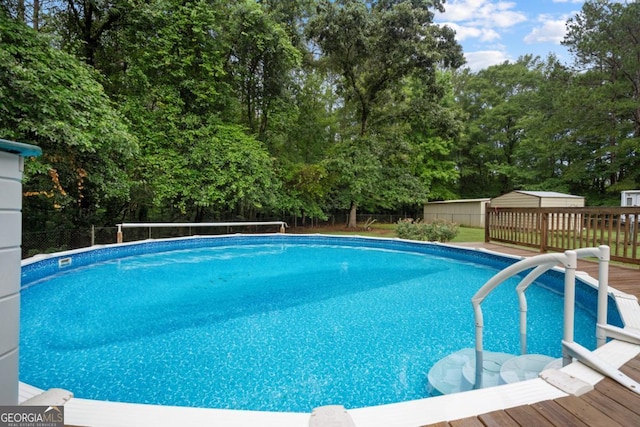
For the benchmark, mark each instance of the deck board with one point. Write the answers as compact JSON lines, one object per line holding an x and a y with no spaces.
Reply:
{"x":467,"y":422}
{"x":498,"y":419}
{"x":581,"y":409}
{"x":556,"y":414}
{"x":607,"y":405}
{"x":527,"y":416}
{"x":625,"y":397}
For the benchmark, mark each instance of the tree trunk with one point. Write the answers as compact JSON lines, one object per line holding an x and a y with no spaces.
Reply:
{"x":36,"y":15}
{"x":20,"y":11}
{"x":352,"y":215}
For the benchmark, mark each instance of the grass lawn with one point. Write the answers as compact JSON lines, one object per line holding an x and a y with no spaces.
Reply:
{"x":465,"y":234}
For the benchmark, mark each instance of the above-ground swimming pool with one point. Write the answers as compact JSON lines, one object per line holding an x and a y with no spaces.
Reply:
{"x":275,"y":323}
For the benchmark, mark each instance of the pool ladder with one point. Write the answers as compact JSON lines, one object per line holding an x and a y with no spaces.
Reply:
{"x":570,"y":349}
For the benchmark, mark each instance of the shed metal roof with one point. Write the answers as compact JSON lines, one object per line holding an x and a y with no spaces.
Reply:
{"x":460,"y":201}
{"x":548,"y":194}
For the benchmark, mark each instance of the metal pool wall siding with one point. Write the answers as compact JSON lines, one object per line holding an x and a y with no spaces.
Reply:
{"x":11,"y":169}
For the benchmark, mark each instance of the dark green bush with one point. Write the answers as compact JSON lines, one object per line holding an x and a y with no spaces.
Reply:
{"x":436,"y":231}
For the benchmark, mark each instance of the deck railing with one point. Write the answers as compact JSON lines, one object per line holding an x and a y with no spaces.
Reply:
{"x":560,"y":229}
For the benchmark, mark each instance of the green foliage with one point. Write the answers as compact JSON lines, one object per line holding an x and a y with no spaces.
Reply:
{"x":376,"y":47}
{"x":50,"y":99}
{"x":603,"y":38}
{"x":304,"y":190}
{"x":436,"y":231}
{"x":541,"y":125}
{"x":261,"y":59}
{"x":245,"y":109}
{"x":213,"y":167}
{"x":498,"y":100}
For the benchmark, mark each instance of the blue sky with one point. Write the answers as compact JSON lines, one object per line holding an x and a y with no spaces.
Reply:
{"x":493,"y":31}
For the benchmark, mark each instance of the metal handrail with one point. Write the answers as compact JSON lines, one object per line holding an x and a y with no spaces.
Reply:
{"x":570,"y":349}
{"x":283,"y":225}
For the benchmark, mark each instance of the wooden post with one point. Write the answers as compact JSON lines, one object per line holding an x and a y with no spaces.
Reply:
{"x":487,"y":223}
{"x":544,"y":230}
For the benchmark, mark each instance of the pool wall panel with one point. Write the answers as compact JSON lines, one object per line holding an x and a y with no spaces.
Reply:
{"x":9,"y":376}
{"x":9,"y":274}
{"x":9,"y":319}
{"x":10,"y":194}
{"x":11,"y":168}
{"x":11,"y":229}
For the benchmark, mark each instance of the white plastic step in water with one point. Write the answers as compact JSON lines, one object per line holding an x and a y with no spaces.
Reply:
{"x":491,"y":363}
{"x":456,"y":372}
{"x":525,"y":367}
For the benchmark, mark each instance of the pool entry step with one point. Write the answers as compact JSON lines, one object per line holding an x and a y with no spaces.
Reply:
{"x":456,"y":372}
{"x":453,"y":373}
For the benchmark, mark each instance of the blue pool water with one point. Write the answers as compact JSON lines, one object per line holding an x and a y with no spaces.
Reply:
{"x":277,"y":325}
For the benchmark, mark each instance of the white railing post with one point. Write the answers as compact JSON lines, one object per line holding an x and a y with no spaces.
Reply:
{"x":479,"y":345}
{"x":603,"y":293}
{"x":569,"y":302}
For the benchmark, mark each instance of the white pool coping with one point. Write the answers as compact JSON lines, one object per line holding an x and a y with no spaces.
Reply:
{"x":86,"y":412}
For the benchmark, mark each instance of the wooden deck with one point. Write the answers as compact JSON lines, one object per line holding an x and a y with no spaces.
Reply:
{"x":609,"y":404}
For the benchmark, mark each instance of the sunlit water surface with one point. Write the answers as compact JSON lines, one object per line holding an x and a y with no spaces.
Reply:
{"x":277,"y":327}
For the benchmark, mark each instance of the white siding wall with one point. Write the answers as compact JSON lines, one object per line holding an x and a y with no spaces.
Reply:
{"x":469,"y":213}
{"x":630,"y":198}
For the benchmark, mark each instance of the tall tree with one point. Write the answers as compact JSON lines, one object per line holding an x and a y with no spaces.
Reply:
{"x":544,"y":154}
{"x":260,"y":61}
{"x":196,"y":163}
{"x":85,"y":26}
{"x":374,"y":45}
{"x":29,"y":12}
{"x":605,"y":40}
{"x":50,"y":99}
{"x":497,"y":100}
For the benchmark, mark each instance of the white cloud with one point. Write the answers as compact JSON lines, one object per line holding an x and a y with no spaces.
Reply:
{"x":485,"y":58}
{"x":482,"y":21}
{"x":552,"y":30}
{"x":483,"y":13}
{"x":464,"y":32}
{"x":494,"y":31}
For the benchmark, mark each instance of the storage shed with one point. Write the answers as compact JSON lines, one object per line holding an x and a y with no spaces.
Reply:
{"x":467,"y":212}
{"x":630,"y":198}
{"x":537,"y":199}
